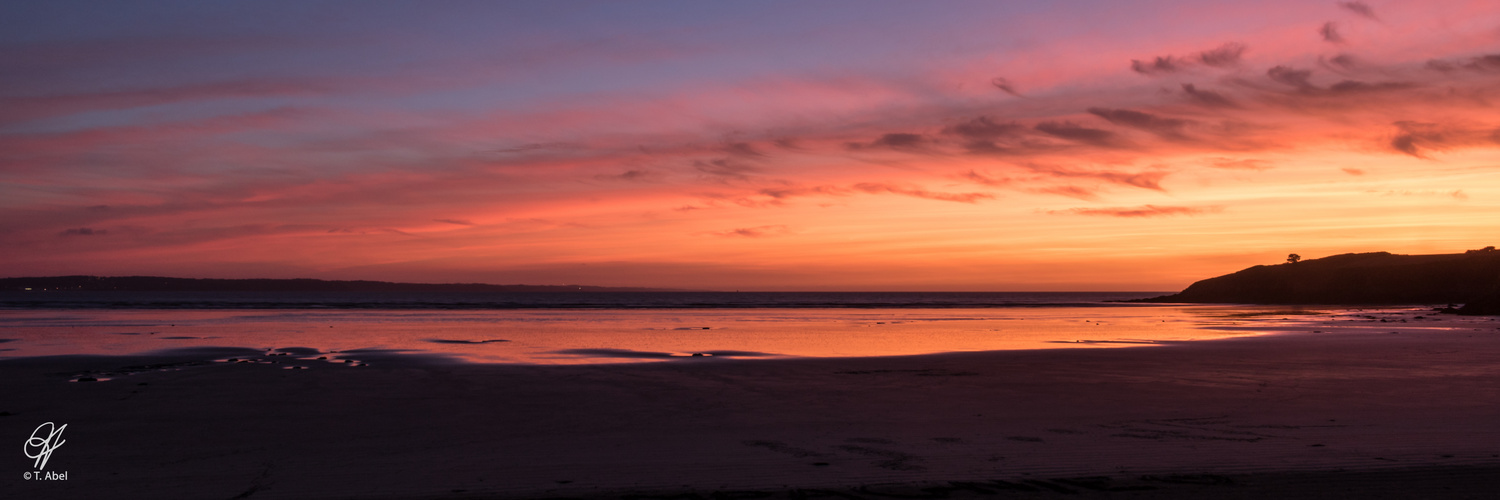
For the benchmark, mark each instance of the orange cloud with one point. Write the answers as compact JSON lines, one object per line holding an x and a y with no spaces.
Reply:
{"x":1141,"y":211}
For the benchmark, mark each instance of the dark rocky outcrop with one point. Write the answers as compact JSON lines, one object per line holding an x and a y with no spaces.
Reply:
{"x":1361,"y":279}
{"x":1487,"y":304}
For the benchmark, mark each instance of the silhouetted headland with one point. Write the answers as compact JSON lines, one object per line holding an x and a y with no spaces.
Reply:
{"x":1379,"y":278}
{"x":161,"y":284}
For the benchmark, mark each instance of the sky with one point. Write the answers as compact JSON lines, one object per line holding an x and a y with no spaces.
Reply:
{"x":832,"y":145}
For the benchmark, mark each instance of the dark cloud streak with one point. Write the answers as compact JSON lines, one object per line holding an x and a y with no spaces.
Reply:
{"x":1005,"y":86}
{"x":876,"y":188}
{"x":898,"y":140}
{"x":1208,"y":97}
{"x":1074,"y":132}
{"x":1225,"y":55}
{"x":17,"y":109}
{"x":1170,"y":128}
{"x":986,"y":180}
{"x":755,"y":232}
{"x":636,"y":175}
{"x":1330,"y":32}
{"x":790,"y":192}
{"x":1341,"y":62}
{"x":743,"y":149}
{"x":83,"y":231}
{"x":725,"y":168}
{"x":1299,"y":78}
{"x":985,"y":128}
{"x":1139,"y":212}
{"x":1240,"y":164}
{"x":1484,"y":63}
{"x":1417,"y":138}
{"x":1069,"y":191}
{"x":1146,"y":180}
{"x":1360,"y":8}
{"x":1166,"y":64}
{"x":1358,"y":86}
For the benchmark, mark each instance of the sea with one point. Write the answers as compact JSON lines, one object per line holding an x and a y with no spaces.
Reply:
{"x":598,"y":327}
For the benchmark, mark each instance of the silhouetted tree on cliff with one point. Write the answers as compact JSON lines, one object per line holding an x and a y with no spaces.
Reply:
{"x":1293,"y":258}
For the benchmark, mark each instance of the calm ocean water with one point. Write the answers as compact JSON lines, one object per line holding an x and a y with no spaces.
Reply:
{"x":556,"y":300}
{"x":573,"y":328}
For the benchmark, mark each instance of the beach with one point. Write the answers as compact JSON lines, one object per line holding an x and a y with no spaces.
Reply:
{"x":657,"y":249}
{"x":1382,"y":408}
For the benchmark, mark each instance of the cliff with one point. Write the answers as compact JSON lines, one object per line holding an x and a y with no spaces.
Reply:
{"x":1361,"y":279}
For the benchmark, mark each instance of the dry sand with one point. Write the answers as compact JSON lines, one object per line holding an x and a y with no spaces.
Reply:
{"x":1362,"y":412}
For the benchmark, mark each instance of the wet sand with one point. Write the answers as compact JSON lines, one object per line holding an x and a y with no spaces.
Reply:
{"x":1354,"y":411}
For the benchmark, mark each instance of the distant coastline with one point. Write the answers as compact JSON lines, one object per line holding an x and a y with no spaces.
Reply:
{"x":491,"y":297}
{"x":164,"y":284}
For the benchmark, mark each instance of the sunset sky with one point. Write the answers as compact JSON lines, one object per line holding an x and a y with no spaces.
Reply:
{"x":1045,"y":145}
